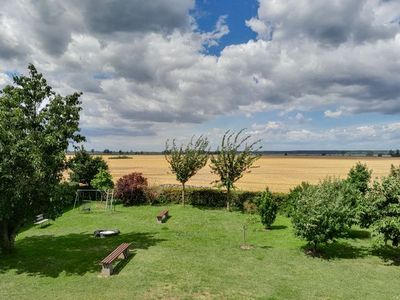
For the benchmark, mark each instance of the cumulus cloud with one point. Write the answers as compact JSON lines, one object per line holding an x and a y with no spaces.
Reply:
{"x":143,"y":64}
{"x":283,"y":136}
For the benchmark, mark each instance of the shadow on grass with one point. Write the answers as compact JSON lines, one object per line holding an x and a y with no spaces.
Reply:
{"x":72,"y":254}
{"x":344,"y":250}
{"x":123,"y":262}
{"x":277,"y":227}
{"x":337,"y":250}
{"x":388,"y":254}
{"x":359,"y":234}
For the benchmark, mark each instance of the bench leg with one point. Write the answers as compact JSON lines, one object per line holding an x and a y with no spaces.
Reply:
{"x":124,"y":254}
{"x":159,"y":220}
{"x":107,"y":270}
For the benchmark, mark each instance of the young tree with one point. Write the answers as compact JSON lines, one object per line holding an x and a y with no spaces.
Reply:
{"x":186,"y":160}
{"x":84,"y":166}
{"x":381,"y":209}
{"x":267,"y":208}
{"x":234,"y":157}
{"x":102,"y":181}
{"x":324,"y":212}
{"x":359,"y":176}
{"x":36,"y":127}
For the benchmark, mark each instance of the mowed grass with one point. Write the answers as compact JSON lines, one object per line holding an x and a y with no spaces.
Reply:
{"x":280,"y":174}
{"x":194,"y":255}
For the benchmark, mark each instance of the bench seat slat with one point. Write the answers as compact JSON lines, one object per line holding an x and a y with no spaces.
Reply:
{"x":164,"y":212}
{"x":117,"y":252}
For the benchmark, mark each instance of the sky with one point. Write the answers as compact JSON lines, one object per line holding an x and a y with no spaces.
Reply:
{"x":298,"y":74}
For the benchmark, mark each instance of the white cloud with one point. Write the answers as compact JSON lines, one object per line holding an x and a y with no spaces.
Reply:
{"x":143,"y":67}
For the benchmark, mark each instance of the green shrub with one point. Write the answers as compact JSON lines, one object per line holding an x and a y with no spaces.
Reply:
{"x":359,"y":176}
{"x":292,"y":198}
{"x":267,"y":208}
{"x":62,"y":196}
{"x":170,"y":195}
{"x":102,"y":181}
{"x":131,"y":189}
{"x":84,"y":167}
{"x":207,"y":197}
{"x":325,"y":211}
{"x":381,"y":209}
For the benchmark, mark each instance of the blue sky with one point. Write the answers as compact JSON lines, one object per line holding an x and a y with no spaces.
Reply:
{"x":298,"y":74}
{"x":237,"y":12}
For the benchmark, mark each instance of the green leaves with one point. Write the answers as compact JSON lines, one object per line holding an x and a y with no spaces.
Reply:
{"x":267,"y":208}
{"x":359,"y":176}
{"x":186,"y":160}
{"x":36,"y":127}
{"x":324,"y":212}
{"x":102,"y":181}
{"x":84,"y":167}
{"x":235,"y":156}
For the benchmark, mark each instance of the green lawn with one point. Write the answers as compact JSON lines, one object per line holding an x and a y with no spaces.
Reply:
{"x":195,"y":254}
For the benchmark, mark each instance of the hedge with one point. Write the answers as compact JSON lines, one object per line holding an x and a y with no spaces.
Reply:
{"x":209,"y":197}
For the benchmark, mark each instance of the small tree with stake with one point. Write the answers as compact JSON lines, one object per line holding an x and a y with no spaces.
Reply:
{"x":186,"y":160}
{"x":230,"y":163}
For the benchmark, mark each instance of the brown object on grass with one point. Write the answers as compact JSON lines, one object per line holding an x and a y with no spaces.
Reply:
{"x":162,"y":216}
{"x":122,"y":251}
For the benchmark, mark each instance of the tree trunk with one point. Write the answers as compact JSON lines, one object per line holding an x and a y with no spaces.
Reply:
{"x":7,"y":242}
{"x":183,"y":193}
{"x":228,"y":199}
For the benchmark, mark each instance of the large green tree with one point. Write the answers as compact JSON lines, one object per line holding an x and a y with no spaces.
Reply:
{"x":186,"y":160}
{"x":234,"y":157}
{"x":36,"y":127}
{"x":84,"y":167}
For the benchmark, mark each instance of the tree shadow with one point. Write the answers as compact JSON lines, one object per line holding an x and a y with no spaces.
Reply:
{"x":358,"y":234}
{"x":388,"y":254}
{"x":277,"y":227}
{"x":72,"y":254}
{"x":337,"y":250}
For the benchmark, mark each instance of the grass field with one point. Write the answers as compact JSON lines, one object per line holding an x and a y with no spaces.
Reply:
{"x":278,"y":173}
{"x":195,"y":254}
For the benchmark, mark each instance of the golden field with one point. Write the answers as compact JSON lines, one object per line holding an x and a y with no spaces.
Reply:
{"x":278,"y":173}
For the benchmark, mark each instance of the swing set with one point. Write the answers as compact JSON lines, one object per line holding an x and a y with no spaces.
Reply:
{"x":85,"y":197}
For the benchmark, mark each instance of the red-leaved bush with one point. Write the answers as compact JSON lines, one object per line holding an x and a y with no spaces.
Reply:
{"x":131,"y":189}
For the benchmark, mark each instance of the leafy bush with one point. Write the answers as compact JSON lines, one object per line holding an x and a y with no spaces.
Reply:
{"x":131,"y":189}
{"x":102,"y":181}
{"x":394,"y":172}
{"x":62,"y":196}
{"x":325,"y":211}
{"x":207,"y":197}
{"x":84,"y":167}
{"x":359,"y":176}
{"x":293,"y":197}
{"x":381,"y":208}
{"x":267,"y":208}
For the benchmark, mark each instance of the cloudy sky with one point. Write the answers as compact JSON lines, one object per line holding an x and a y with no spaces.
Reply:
{"x":300,"y":74}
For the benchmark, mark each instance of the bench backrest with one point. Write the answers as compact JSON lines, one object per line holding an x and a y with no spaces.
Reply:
{"x":117,"y":252}
{"x":39,"y":217}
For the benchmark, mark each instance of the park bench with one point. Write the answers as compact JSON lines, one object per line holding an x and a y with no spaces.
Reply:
{"x":122,"y":251}
{"x":40,"y":220}
{"x":162,"y":216}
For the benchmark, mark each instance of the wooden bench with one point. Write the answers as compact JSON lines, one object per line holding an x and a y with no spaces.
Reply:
{"x":122,"y":251}
{"x":40,"y":220}
{"x":162,"y":216}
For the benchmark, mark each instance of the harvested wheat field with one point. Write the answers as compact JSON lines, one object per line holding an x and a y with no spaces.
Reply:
{"x":278,"y":173}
